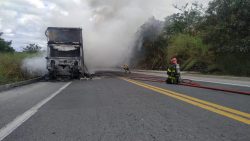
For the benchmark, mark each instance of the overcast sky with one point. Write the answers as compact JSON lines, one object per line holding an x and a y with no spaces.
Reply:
{"x":25,"y":21}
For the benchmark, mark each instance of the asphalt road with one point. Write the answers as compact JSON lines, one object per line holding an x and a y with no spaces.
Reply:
{"x":111,"y":108}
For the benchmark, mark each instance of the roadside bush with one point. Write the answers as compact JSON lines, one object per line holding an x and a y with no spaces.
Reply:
{"x":192,"y":53}
{"x":10,"y":67}
{"x":237,"y":64}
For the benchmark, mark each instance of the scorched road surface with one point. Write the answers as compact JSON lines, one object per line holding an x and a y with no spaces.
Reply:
{"x":118,"y":109}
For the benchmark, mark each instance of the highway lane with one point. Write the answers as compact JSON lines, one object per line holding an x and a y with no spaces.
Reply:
{"x":219,"y":109}
{"x":110,"y":108}
{"x":232,"y":100}
{"x":16,"y":101}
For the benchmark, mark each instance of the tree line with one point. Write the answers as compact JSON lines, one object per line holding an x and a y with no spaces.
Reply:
{"x":11,"y":61}
{"x":5,"y":47}
{"x":211,"y":40}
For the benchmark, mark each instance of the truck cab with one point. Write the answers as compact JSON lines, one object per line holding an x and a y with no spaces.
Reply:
{"x":64,"y":52}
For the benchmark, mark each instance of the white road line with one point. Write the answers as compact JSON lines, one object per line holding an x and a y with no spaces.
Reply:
{"x":19,"y":120}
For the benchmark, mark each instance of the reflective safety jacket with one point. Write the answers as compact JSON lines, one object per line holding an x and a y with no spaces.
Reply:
{"x":173,"y":72}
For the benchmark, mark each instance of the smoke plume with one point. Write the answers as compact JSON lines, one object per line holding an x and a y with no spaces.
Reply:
{"x":35,"y":66}
{"x":109,"y":28}
{"x":109,"y":39}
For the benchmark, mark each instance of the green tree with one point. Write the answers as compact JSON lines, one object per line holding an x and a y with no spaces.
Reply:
{"x":5,"y":46}
{"x":227,"y":29}
{"x":185,"y":21}
{"x":32,"y":48}
{"x":213,"y":40}
{"x":227,"y":26}
{"x":183,"y":39}
{"x":191,"y":52}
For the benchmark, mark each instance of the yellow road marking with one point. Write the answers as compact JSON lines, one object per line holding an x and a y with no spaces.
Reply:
{"x":202,"y":101}
{"x":228,"y":112}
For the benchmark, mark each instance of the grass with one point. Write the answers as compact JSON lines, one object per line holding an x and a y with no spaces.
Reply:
{"x":10,"y":67}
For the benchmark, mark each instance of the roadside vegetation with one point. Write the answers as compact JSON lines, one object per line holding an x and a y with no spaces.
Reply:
{"x":11,"y":61}
{"x":212,"y":40}
{"x":10,"y":67}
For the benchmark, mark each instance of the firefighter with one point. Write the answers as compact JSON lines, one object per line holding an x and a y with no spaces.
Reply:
{"x":126,"y":68}
{"x":173,"y":72}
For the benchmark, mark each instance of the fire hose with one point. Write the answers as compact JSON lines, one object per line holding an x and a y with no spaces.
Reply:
{"x":186,"y":82}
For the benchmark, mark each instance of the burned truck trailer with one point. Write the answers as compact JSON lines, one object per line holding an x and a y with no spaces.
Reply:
{"x":64,"y":52}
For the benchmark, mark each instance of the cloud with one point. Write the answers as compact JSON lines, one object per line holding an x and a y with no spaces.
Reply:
{"x":36,"y":3}
{"x":25,"y":19}
{"x":7,"y":30}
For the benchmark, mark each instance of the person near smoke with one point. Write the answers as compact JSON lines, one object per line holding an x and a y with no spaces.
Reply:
{"x":173,"y":72}
{"x":126,"y":68}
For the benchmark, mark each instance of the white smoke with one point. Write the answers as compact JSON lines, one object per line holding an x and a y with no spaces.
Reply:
{"x":109,"y":27}
{"x":109,"y":38}
{"x":35,"y":66}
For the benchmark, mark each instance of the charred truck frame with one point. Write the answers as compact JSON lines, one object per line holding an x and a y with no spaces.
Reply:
{"x":64,"y":52}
